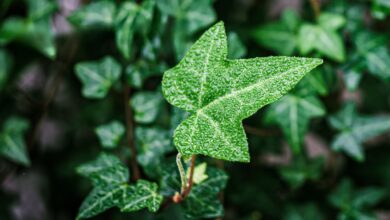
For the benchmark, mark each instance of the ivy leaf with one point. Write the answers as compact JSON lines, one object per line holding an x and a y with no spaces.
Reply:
{"x":190,"y":16}
{"x":276,"y":37}
{"x":378,"y":62}
{"x":129,"y":17}
{"x":355,"y":129}
{"x":293,"y":113}
{"x":100,"y":199}
{"x":12,"y":144}
{"x":146,"y":106}
{"x":220,"y":93}
{"x":143,"y":195}
{"x":5,"y":67}
{"x":110,"y":134}
{"x":302,"y":170}
{"x":40,"y":8}
{"x":98,"y":77}
{"x":279,"y":36}
{"x":380,"y":9}
{"x":152,"y":144}
{"x":324,"y":40}
{"x":199,"y":173}
{"x":203,"y":201}
{"x":97,"y":13}
{"x":331,"y":21}
{"x":107,"y":169}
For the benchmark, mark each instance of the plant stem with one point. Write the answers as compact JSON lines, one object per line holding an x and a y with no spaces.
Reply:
{"x":130,"y":134}
{"x":186,"y":185}
{"x":183,"y":176}
{"x":316,"y":6}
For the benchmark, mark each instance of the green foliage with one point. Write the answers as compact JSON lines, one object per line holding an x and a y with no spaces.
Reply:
{"x":355,"y":129}
{"x":298,"y":110}
{"x":220,"y":93}
{"x":110,"y":178}
{"x":353,"y":204}
{"x":98,"y":77}
{"x":110,"y":134}
{"x":12,"y":144}
{"x":146,"y":106}
{"x":162,"y":80}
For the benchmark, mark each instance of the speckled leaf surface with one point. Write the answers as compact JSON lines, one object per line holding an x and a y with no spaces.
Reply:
{"x":98,"y":77}
{"x":220,"y":93}
{"x":107,"y":169}
{"x":142,"y":195}
{"x":100,"y":199}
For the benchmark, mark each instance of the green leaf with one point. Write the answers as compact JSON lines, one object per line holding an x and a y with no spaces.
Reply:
{"x":203,"y":201}
{"x":146,"y":106}
{"x":12,"y":28}
{"x":199,"y":173}
{"x":220,"y":93}
{"x":276,"y":37}
{"x":293,"y":113}
{"x":303,"y":212}
{"x":110,"y":134}
{"x":380,"y":9}
{"x":324,"y":40}
{"x":97,"y":13}
{"x":40,"y":8}
{"x":5,"y":67}
{"x":378,"y":62}
{"x":236,"y":47}
{"x":102,"y":198}
{"x":132,"y":18}
{"x":98,"y":77}
{"x":331,"y":21}
{"x":190,"y":16}
{"x":12,"y":143}
{"x":152,"y":144}
{"x":143,"y":195}
{"x":355,"y":129}
{"x":107,"y":169}
{"x":301,"y":170}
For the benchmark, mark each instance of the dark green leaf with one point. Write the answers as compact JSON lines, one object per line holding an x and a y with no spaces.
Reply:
{"x":5,"y":67}
{"x":98,"y":77}
{"x":97,"y":13}
{"x":107,"y":169}
{"x":146,"y":106}
{"x":110,"y":134}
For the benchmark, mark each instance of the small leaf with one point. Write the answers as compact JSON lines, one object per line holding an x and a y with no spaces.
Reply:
{"x":203,"y":201}
{"x":378,"y":61}
{"x":97,"y":13}
{"x":355,"y":129}
{"x":331,"y":21}
{"x":110,"y":134}
{"x":5,"y":67}
{"x":146,"y":106}
{"x":152,"y":144}
{"x":293,"y":114}
{"x":100,"y":199}
{"x":40,"y":8}
{"x":107,"y":169}
{"x":98,"y":77}
{"x":220,"y":93}
{"x":301,"y":171}
{"x":125,"y":22}
{"x":199,"y":173}
{"x":12,"y":143}
{"x":276,"y":37}
{"x":307,"y":38}
{"x":143,"y":195}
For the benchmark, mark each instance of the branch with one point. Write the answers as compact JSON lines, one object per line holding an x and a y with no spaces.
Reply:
{"x":316,"y":6}
{"x":130,"y":134}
